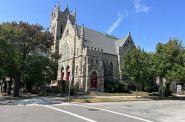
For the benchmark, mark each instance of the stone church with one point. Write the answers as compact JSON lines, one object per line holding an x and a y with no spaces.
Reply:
{"x":87,"y":57}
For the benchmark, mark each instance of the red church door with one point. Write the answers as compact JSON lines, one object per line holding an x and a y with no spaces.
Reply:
{"x":62,"y":76}
{"x":68,"y":75}
{"x":94,"y":80}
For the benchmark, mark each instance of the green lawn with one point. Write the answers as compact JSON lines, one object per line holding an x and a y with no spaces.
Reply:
{"x":131,"y":93}
{"x":112,"y":97}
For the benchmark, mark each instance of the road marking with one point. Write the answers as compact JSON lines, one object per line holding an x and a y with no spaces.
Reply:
{"x":72,"y":114}
{"x":114,"y":112}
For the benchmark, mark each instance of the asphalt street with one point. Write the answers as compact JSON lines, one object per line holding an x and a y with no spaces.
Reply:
{"x":138,"y":111}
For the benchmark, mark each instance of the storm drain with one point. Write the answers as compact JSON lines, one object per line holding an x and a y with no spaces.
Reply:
{"x":93,"y":109}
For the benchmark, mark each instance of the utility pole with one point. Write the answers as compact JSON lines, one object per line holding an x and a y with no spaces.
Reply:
{"x":69,"y":90}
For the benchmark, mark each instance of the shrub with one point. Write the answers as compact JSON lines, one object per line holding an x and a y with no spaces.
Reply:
{"x":115,"y":86}
{"x":74,"y":89}
{"x":162,"y":90}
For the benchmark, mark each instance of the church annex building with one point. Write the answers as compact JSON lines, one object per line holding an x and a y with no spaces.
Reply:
{"x":88,"y":57}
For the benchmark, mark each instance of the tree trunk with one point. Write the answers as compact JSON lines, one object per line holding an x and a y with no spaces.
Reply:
{"x":16,"y":88}
{"x":1,"y":87}
{"x":29,"y":86}
{"x":136,"y":90}
{"x":5,"y":86}
{"x":167,"y":90}
{"x":9,"y":86}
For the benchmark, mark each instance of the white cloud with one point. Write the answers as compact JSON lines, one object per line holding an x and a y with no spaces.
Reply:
{"x":116,"y":23}
{"x":140,"y":8}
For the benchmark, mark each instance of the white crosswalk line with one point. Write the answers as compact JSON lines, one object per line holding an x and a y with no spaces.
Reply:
{"x":72,"y":114}
{"x":114,"y":112}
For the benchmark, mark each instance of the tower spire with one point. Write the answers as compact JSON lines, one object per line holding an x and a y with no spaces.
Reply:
{"x":66,"y":3}
{"x":58,"y":7}
{"x":74,"y":13}
{"x":82,"y":32}
{"x":58,"y":10}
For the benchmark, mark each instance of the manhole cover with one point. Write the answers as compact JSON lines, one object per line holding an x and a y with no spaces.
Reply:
{"x":146,"y":112}
{"x":128,"y":105}
{"x":93,"y":109}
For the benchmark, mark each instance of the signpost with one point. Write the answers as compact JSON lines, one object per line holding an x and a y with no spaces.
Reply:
{"x":179,"y":89}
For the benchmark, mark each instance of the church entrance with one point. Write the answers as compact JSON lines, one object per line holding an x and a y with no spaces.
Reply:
{"x":62,"y":74}
{"x":94,"y":80}
{"x":67,"y":73}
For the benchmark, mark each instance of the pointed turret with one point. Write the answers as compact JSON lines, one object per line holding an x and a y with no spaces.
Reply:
{"x":129,"y":38}
{"x":129,"y":34}
{"x":74,"y":13}
{"x":58,"y":11}
{"x":75,"y":25}
{"x":58,"y":7}
{"x":67,"y":9}
{"x":82,"y":34}
{"x":67,"y":4}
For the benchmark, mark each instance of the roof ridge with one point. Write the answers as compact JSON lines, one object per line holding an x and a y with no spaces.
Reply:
{"x":105,"y":34}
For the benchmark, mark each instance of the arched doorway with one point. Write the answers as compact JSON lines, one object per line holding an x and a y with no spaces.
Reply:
{"x":94,"y":80}
{"x":67,"y":73}
{"x":62,"y":74}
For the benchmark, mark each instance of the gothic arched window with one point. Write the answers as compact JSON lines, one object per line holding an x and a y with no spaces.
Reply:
{"x":65,"y":51}
{"x":62,"y":73}
{"x":92,"y":61}
{"x":67,"y":73}
{"x":97,"y":61}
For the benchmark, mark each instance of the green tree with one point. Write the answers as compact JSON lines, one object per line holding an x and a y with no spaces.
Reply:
{"x":39,"y":70}
{"x":26,"y":46}
{"x":148,"y":70}
{"x":9,"y":55}
{"x":170,"y":61}
{"x":132,"y":66}
{"x":138,"y":65}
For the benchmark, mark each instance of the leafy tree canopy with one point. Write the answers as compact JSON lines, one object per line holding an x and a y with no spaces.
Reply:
{"x":24,"y":51}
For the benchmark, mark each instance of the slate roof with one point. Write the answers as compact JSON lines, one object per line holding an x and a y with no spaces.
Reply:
{"x":100,"y":40}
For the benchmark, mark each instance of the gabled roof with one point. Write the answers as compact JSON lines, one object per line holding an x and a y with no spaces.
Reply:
{"x":121,"y":42}
{"x":107,"y":42}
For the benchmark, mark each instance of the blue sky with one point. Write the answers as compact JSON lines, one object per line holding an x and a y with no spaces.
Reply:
{"x":149,"y":21}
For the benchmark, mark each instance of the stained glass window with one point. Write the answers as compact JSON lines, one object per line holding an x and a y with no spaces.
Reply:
{"x":65,"y":51}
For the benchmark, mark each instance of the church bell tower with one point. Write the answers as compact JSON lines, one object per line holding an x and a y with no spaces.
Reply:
{"x":58,"y":23}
